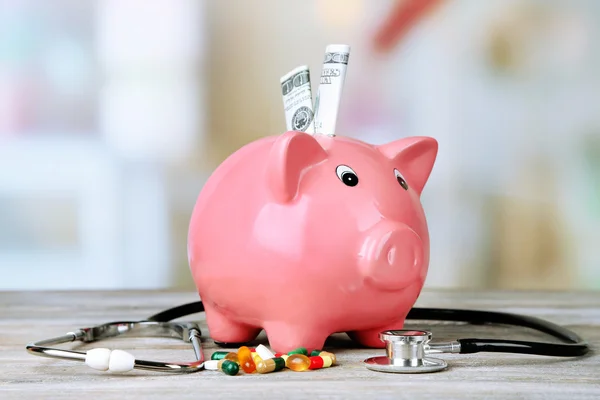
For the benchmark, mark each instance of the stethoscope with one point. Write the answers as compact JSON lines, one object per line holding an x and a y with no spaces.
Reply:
{"x":406,"y":351}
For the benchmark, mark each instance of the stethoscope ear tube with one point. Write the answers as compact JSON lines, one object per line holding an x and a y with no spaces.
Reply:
{"x":572,"y":346}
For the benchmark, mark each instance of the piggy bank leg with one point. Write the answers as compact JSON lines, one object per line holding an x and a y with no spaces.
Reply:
{"x":285,"y":337}
{"x":370,"y":337}
{"x":223,"y":329}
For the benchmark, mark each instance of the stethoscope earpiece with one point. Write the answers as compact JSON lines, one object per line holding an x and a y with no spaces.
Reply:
{"x":119,"y":361}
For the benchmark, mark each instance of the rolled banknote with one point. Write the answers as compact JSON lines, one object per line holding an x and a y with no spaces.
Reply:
{"x":330,"y":88}
{"x":297,"y":100}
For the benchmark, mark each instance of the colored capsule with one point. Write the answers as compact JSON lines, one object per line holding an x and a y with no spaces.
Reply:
{"x":231,"y":356}
{"x":270,"y":365}
{"x":285,"y":357}
{"x":252,"y":350}
{"x":245,"y":360}
{"x":229,"y":367}
{"x":330,"y":355}
{"x":316,"y":362}
{"x":299,"y":350}
{"x":278,"y":354}
{"x":326,"y":361}
{"x":255,"y":357}
{"x":297,"y":362}
{"x":219,"y":355}
{"x":315,"y":353}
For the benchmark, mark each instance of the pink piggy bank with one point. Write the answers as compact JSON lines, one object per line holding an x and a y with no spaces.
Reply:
{"x":305,"y":236}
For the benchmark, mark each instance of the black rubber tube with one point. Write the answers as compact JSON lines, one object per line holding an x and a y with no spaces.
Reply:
{"x":572,"y":345}
{"x":178,"y":312}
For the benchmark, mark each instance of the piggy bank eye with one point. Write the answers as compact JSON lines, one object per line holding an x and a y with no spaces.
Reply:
{"x":347,"y":175}
{"x":400,"y":179}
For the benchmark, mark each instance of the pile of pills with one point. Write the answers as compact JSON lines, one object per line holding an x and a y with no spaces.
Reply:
{"x":263,"y":361}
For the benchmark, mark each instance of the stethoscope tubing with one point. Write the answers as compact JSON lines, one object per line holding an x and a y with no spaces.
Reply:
{"x":572,"y":345}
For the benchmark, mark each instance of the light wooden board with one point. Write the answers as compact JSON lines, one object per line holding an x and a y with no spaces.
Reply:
{"x":28,"y":316}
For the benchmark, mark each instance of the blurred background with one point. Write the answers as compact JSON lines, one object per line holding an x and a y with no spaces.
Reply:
{"x":113,"y":113}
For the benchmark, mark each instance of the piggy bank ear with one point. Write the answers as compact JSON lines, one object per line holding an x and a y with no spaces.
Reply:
{"x":291,"y":155}
{"x":414,"y":158}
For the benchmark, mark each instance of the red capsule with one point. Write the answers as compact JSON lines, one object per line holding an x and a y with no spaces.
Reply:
{"x":278,"y":354}
{"x":316,"y":362}
{"x":252,"y":350}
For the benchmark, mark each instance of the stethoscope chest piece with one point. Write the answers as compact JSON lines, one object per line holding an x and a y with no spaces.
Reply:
{"x":405,"y":353}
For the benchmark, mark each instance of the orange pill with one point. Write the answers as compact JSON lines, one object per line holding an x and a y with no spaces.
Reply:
{"x":245,"y":360}
{"x":297,"y":362}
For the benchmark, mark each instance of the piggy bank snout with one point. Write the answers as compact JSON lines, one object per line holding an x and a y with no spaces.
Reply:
{"x":391,"y":256}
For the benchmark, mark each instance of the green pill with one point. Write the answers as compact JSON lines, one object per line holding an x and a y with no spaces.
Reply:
{"x":230,"y":367}
{"x":315,"y":353}
{"x":218,"y":355}
{"x":279,"y":363}
{"x":299,"y":350}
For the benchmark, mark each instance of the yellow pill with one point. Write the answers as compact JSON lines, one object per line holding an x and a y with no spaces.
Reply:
{"x":327,"y":361}
{"x":330,"y":355}
{"x":297,"y":362}
{"x":231,"y":357}
{"x":270,"y":365}
{"x":256,"y":358}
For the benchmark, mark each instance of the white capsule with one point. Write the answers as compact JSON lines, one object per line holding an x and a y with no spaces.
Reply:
{"x":211,"y":365}
{"x":264,"y":352}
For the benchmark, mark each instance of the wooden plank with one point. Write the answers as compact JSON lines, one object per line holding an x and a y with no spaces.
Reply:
{"x":28,"y":316}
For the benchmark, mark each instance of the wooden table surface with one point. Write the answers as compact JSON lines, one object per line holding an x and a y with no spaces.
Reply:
{"x":29,"y":316}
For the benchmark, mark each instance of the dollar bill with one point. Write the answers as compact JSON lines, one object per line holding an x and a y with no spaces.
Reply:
{"x":331,"y":86}
{"x":297,"y":100}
